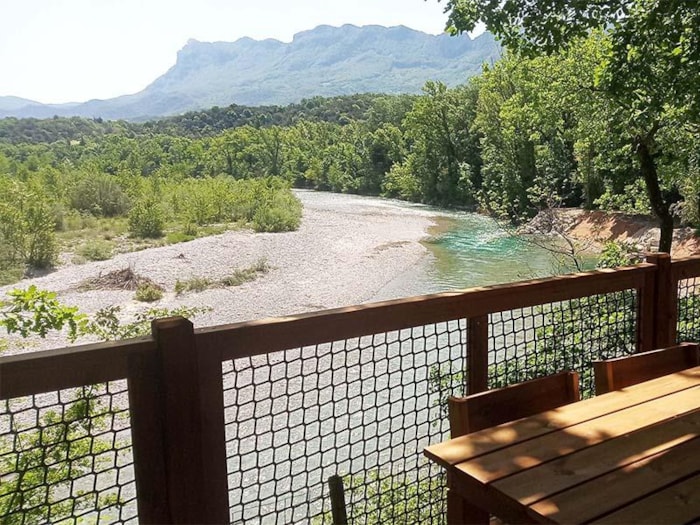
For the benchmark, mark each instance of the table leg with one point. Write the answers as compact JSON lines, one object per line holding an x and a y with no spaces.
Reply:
{"x":461,"y":512}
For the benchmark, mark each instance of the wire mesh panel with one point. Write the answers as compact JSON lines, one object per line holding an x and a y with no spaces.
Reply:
{"x":688,"y":328}
{"x":65,"y":457}
{"x":362,"y":408}
{"x":526,"y":343}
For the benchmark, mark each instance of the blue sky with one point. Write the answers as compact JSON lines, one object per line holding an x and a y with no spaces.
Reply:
{"x":75,"y":50}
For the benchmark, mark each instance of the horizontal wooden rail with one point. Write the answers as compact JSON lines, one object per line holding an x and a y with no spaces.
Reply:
{"x":685,"y":268}
{"x":270,"y":335}
{"x":51,"y":370}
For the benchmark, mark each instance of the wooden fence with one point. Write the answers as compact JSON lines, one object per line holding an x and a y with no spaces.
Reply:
{"x":175,"y":381}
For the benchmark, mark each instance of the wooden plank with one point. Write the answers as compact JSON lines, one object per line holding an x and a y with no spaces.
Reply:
{"x":477,"y":354}
{"x":614,"y":374}
{"x":679,"y":503}
{"x":51,"y":370}
{"x":528,"y":454}
{"x":623,"y":485}
{"x":494,"y":407}
{"x":270,"y":335}
{"x":685,"y":268}
{"x":567,"y":471}
{"x":506,"y":435}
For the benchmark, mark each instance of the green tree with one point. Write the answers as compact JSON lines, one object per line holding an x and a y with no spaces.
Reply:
{"x":649,"y":72}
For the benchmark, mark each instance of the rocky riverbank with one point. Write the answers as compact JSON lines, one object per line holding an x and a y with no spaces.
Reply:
{"x":347,"y":249}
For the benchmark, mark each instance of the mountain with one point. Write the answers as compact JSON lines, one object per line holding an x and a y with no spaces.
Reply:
{"x":13,"y":103}
{"x":325,"y":61}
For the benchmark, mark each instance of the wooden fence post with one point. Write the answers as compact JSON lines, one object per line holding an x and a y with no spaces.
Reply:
{"x":665,"y":302}
{"x":477,"y":354}
{"x":147,"y":438}
{"x":178,"y":436}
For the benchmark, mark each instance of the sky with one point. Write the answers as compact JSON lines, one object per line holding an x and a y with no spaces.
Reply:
{"x":56,"y":51}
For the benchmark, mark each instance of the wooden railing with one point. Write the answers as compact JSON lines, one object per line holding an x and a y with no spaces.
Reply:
{"x":176,"y":385}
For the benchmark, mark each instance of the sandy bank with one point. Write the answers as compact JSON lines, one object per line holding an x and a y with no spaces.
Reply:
{"x":595,"y":228}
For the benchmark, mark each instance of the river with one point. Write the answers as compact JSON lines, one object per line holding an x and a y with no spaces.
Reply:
{"x":468,"y":250}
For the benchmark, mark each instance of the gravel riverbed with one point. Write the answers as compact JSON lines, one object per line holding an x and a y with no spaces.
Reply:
{"x":348,"y":250}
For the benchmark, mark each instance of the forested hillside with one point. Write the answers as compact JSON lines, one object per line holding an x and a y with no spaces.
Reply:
{"x":525,"y":135}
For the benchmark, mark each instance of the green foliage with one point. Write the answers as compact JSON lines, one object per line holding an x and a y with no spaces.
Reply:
{"x":26,"y":227}
{"x":641,"y":90}
{"x":97,"y":250}
{"x":43,"y":463}
{"x":148,"y":293}
{"x":34,"y":311}
{"x":689,"y":317}
{"x":238,"y":277}
{"x":100,"y":195}
{"x":277,"y":212}
{"x":616,"y":254}
{"x":391,"y":498}
{"x":193,"y":284}
{"x":177,"y":237}
{"x":146,"y":219}
{"x":244,"y":275}
{"x":107,"y":325}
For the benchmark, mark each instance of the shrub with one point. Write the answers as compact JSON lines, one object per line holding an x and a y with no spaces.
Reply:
{"x":281,"y":213}
{"x":148,"y":293}
{"x":26,"y":229}
{"x":194,"y":284}
{"x":147,"y":219}
{"x":97,"y":250}
{"x":99,"y":195}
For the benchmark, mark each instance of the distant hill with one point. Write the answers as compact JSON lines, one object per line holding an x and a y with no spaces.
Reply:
{"x":325,"y":61}
{"x":13,"y":103}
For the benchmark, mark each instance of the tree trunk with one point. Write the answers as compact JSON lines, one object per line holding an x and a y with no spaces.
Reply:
{"x":656,"y":199}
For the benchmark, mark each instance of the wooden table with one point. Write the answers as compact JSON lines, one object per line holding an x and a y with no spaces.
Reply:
{"x":631,"y":456}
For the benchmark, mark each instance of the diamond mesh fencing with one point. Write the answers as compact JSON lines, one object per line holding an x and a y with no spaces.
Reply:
{"x":688,"y":328}
{"x":526,"y":343}
{"x":65,"y":457}
{"x":362,"y":408}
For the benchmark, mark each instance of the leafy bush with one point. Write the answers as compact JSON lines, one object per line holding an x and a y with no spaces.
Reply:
{"x":26,"y":228}
{"x":281,"y":212}
{"x":148,"y":293}
{"x":106,"y":324}
{"x":100,"y":195}
{"x":146,"y":219}
{"x":34,"y":311}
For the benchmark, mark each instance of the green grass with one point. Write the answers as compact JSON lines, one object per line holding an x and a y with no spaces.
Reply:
{"x":11,"y":275}
{"x":193,"y":284}
{"x":238,"y":277}
{"x":97,"y":250}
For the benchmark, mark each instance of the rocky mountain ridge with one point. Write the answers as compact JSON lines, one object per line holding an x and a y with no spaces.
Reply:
{"x":325,"y":61}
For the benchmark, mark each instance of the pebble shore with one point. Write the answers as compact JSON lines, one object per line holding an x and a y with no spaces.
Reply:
{"x":347,"y":251}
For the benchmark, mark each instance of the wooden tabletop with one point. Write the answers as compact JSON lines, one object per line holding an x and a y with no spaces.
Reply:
{"x":630,"y":456}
